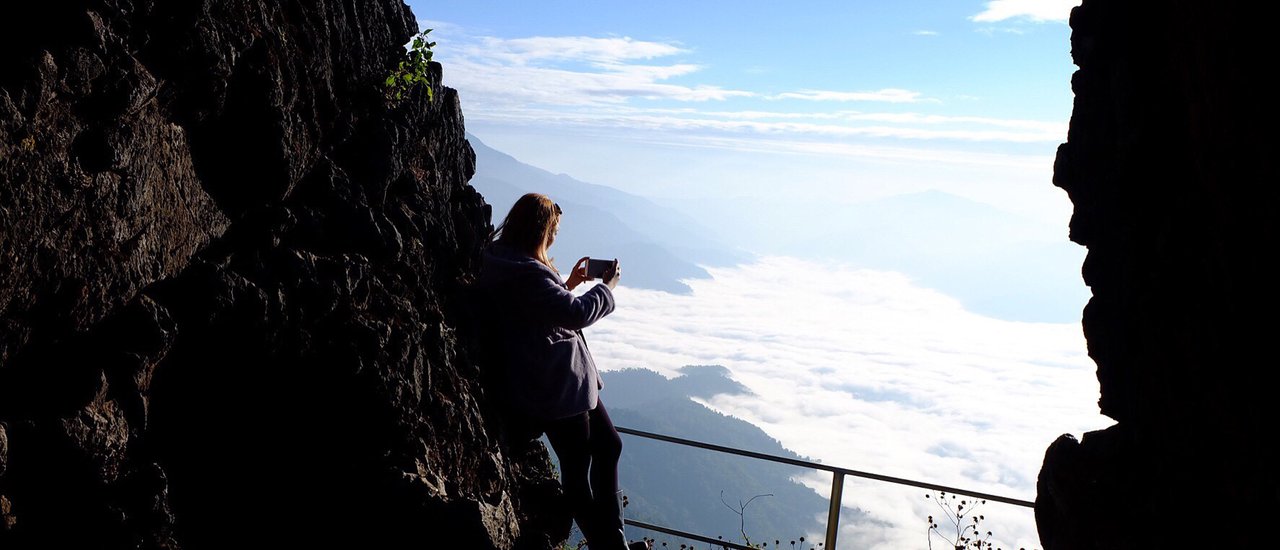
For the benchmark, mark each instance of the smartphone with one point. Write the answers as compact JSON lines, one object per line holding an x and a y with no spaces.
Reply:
{"x":597,"y":268}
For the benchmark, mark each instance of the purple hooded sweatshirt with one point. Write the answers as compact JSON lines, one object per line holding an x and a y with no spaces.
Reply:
{"x":536,"y":322}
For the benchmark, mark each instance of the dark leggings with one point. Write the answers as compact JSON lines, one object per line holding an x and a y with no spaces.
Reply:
{"x":588,"y":448}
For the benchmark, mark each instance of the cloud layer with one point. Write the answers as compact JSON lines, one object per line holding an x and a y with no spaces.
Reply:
{"x":623,"y":84}
{"x":1034,"y":10}
{"x":888,"y":95}
{"x":563,"y":71}
{"x":863,"y":369}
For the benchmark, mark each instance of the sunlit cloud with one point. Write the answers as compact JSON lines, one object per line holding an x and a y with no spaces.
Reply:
{"x":1033,"y":10}
{"x":1031,"y":164}
{"x":1057,"y":129}
{"x":496,"y":73}
{"x":830,"y":125}
{"x":606,"y":51}
{"x":645,"y":90}
{"x":489,"y":85}
{"x":992,"y":31}
{"x":833,"y":130}
{"x":887,"y":95}
{"x":866,"y":370}
{"x":925,"y":33}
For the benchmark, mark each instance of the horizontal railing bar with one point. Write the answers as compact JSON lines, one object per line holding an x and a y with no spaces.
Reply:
{"x":819,"y":466}
{"x":679,"y":533}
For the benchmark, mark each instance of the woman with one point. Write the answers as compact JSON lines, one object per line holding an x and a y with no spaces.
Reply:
{"x":549,"y":378}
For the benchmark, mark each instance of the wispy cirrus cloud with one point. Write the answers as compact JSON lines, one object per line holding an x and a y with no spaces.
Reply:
{"x":1033,"y":10}
{"x":886,"y":95}
{"x":658,"y":91}
{"x":491,"y":85}
{"x":813,"y":125}
{"x":852,"y":130}
{"x":496,"y":72}
{"x":610,"y":50}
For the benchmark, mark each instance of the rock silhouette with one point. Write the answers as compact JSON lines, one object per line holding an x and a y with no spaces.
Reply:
{"x":1170,"y":164}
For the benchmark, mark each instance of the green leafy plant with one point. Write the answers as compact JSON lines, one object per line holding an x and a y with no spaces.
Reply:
{"x":412,"y":70}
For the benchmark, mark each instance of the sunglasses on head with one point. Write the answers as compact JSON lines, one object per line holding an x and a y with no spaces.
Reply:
{"x":557,"y":207}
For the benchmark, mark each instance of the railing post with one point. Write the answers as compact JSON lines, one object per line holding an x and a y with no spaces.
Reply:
{"x":833,"y":513}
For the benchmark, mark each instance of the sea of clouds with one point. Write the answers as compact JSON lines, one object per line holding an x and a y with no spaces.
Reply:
{"x":863,"y":369}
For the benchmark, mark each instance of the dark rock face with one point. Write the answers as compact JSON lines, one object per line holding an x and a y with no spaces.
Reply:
{"x":230,"y":288}
{"x":1170,"y":163}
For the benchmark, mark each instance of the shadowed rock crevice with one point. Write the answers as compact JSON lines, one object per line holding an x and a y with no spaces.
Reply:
{"x":231,"y":288}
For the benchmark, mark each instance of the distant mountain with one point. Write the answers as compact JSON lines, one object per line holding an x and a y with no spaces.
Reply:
{"x":635,"y":388}
{"x":683,"y":487}
{"x":995,"y":262}
{"x":658,"y":246}
{"x":697,"y":490}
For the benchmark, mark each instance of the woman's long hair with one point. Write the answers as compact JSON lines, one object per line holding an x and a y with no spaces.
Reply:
{"x":530,"y":227}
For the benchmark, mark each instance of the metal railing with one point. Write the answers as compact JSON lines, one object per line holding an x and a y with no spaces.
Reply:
{"x":837,"y":486}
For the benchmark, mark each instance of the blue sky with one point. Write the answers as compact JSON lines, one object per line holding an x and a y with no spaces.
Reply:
{"x":695,"y":100}
{"x":1014,"y":67}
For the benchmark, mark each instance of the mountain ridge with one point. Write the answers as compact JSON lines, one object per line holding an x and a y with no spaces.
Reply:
{"x":658,"y":246}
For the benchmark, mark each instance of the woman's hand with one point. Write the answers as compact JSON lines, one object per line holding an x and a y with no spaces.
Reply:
{"x":579,"y":274}
{"x":612,"y":274}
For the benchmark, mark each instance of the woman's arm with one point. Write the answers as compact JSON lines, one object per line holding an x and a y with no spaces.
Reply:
{"x":561,"y":308}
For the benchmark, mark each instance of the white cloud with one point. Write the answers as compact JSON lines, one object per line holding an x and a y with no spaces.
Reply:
{"x":496,"y":88}
{"x":829,"y":125}
{"x":1030,"y":164}
{"x":1034,"y":10}
{"x":626,"y":87}
{"x":1057,"y":129}
{"x":600,"y":50}
{"x":991,"y":31}
{"x":832,"y":130}
{"x":925,"y":33}
{"x":499,"y":73}
{"x":865,"y":370}
{"x":438,"y":27}
{"x":888,"y":95}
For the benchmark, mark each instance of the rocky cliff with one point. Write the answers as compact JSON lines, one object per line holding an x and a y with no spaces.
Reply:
{"x":1171,"y":165}
{"x":230,"y":287}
